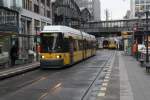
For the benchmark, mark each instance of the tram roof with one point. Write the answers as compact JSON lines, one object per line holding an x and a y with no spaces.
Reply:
{"x":59,"y":28}
{"x":66,"y":30}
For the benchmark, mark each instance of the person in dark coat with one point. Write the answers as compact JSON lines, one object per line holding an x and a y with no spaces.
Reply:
{"x":14,"y":54}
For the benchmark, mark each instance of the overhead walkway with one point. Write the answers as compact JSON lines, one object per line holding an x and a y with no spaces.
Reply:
{"x":115,"y":26}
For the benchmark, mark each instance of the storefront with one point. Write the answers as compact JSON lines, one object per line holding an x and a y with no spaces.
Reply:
{"x":25,"y":53}
{"x":127,"y":41}
{"x":10,"y":37}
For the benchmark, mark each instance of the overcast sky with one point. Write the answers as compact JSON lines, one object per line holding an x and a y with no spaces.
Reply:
{"x":117,"y":8}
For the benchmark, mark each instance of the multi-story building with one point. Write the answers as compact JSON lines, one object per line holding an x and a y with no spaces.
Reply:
{"x":97,"y":10}
{"x":1,"y":3}
{"x":138,"y":7}
{"x":33,"y":15}
{"x":93,"y":6}
{"x":66,"y":12}
{"x":85,"y":3}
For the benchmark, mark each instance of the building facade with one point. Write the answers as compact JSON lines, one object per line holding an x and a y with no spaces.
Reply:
{"x":33,"y":15}
{"x":138,"y":7}
{"x":66,"y":12}
{"x":85,"y":15}
{"x":93,"y":6}
{"x":97,"y":10}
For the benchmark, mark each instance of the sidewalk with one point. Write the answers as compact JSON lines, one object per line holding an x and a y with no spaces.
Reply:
{"x":133,"y":79}
{"x":138,"y":79}
{"x":12,"y":71}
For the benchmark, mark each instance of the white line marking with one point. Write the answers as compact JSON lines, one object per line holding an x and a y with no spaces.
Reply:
{"x":105,"y":84}
{"x":108,"y":74}
{"x":103,"y":89}
{"x":107,"y":77}
{"x":106,"y":80}
{"x":101,"y":94}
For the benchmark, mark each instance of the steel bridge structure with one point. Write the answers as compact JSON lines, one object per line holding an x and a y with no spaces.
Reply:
{"x":115,"y":26}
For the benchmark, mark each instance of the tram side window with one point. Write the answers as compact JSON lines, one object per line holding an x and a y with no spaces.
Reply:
{"x":80,"y":42}
{"x":89,"y":46}
{"x":75,"y":45}
{"x":92,"y":44}
{"x":66,"y":45}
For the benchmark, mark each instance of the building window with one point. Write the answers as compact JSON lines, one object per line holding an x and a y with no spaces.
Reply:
{"x":48,"y":3}
{"x":23,"y":4}
{"x":48,"y":14}
{"x":30,"y":5}
{"x":36,"y":8}
{"x":37,"y":24}
{"x":43,"y":1}
{"x":42,"y":25}
{"x":27,"y":4}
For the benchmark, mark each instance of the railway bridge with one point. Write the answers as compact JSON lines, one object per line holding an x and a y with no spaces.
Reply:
{"x":103,"y":28}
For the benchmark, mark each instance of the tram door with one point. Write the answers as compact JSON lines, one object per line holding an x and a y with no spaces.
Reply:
{"x":71,"y":50}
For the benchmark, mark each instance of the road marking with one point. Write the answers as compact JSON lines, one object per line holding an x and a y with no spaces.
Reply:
{"x":101,"y":94}
{"x":103,"y":89}
{"x":107,"y":77}
{"x":58,"y":85}
{"x":108,"y":74}
{"x":105,"y":84}
{"x":43,"y":96}
{"x":106,"y":80}
{"x":109,"y":70}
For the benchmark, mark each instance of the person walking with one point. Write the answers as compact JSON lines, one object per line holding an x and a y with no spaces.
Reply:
{"x":14,"y":54}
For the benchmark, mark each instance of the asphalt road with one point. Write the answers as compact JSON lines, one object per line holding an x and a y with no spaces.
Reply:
{"x":72,"y":83}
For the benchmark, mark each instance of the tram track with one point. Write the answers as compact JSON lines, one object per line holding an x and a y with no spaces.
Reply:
{"x":71,"y":81}
{"x":88,"y":91}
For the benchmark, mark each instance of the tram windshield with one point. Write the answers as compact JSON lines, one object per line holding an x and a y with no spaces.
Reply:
{"x":51,"y":42}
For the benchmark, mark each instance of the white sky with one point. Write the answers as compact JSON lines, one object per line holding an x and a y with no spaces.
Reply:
{"x":117,"y":8}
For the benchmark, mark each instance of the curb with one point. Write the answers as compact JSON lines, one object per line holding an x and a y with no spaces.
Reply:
{"x":20,"y":70}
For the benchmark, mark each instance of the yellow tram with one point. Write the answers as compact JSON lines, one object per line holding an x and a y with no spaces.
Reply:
{"x":112,"y":44}
{"x":62,"y":46}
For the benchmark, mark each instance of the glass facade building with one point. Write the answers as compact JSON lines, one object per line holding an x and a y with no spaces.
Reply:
{"x":139,"y":6}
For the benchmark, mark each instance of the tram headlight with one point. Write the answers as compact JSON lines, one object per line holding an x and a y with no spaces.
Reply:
{"x":42,"y":57}
{"x":58,"y":56}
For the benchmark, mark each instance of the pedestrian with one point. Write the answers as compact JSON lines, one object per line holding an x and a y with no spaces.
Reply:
{"x":14,"y":54}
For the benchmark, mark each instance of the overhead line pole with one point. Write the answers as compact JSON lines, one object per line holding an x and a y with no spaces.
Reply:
{"x":147,"y":53}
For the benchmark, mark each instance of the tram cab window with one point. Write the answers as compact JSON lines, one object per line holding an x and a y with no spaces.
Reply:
{"x":51,"y":42}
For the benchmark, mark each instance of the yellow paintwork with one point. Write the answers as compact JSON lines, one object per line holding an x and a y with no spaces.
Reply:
{"x":50,"y":56}
{"x":77,"y":56}
{"x":112,"y":46}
